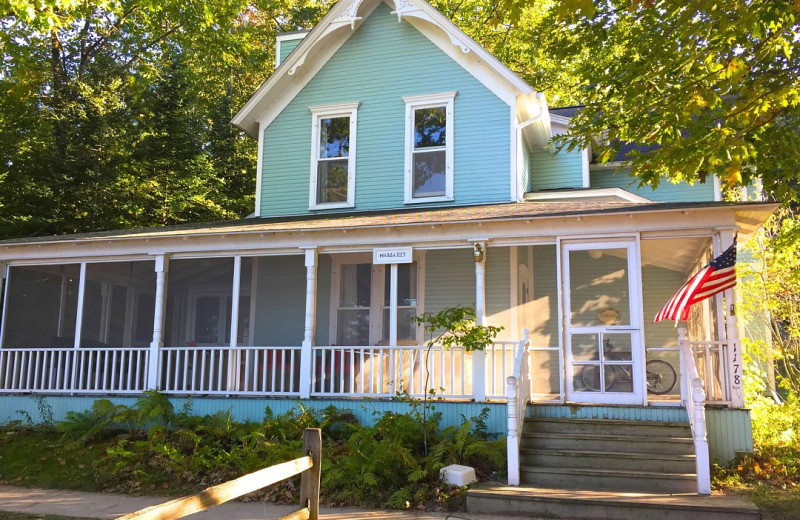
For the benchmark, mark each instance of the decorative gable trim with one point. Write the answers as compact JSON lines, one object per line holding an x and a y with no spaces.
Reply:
{"x":309,"y":57}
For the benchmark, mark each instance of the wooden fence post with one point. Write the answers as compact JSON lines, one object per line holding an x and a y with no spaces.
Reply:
{"x":309,"y":480}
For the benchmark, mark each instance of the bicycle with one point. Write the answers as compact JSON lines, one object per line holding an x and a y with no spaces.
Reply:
{"x":661,"y":376}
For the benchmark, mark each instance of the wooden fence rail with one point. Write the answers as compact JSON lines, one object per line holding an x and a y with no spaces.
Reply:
{"x":307,"y":466}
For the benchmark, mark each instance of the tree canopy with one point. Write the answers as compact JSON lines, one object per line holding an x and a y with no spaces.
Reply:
{"x":706,"y":87}
{"x":117,"y":113}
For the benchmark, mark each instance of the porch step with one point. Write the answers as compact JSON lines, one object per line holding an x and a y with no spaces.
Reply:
{"x":608,"y":455}
{"x":603,"y":505}
{"x":607,"y":427}
{"x":615,"y":443}
{"x":610,"y":480}
{"x":626,"y":461}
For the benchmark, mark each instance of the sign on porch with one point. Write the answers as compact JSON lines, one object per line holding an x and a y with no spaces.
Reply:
{"x":392,"y":255}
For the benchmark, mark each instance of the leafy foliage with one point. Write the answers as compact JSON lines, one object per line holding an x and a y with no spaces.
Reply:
{"x":384,"y":464}
{"x":117,"y":113}
{"x":771,"y":290}
{"x":707,"y":87}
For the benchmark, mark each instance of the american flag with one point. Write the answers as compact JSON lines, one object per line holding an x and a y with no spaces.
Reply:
{"x":717,"y":276}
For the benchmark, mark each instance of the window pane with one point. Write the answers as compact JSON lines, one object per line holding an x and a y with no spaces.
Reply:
{"x":352,"y":327}
{"x":334,"y":137}
{"x":406,"y":326}
{"x":429,"y":127}
{"x":332,"y":181}
{"x":429,"y":174}
{"x":406,"y":285}
{"x":355,"y":286}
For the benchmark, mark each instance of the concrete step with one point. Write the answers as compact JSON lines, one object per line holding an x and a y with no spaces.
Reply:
{"x":608,"y":479}
{"x":668,"y":463}
{"x":603,"y":505}
{"x":608,"y":426}
{"x":603,"y":442}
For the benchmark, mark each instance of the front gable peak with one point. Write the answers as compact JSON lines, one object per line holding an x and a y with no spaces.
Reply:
{"x":338,"y":26}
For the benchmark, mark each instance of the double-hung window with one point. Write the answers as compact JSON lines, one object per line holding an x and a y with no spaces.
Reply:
{"x":429,"y":147}
{"x":333,"y":152}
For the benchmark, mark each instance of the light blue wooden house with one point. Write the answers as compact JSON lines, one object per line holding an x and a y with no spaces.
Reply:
{"x":403,"y":169}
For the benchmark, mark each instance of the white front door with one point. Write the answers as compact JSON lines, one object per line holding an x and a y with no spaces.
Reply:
{"x":602,"y":321}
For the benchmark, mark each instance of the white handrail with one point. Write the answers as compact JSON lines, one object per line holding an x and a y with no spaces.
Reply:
{"x":518,"y":394}
{"x":694,"y":399}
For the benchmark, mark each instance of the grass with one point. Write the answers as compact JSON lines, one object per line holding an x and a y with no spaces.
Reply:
{"x":5,"y":515}
{"x":34,"y":458}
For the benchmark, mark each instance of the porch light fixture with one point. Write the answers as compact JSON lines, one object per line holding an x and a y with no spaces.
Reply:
{"x":477,"y":252}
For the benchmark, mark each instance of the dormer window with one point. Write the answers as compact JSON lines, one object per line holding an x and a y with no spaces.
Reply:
{"x":333,"y":152}
{"x":429,"y":148}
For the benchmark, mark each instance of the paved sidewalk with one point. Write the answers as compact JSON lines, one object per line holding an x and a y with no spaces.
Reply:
{"x":107,"y":505}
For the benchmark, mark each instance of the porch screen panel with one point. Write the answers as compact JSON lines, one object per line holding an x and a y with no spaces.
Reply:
{"x":537,"y":310}
{"x":42,"y":306}
{"x":117,"y":304}
{"x":666,"y":265}
{"x":355,"y":294}
{"x":198,"y":302}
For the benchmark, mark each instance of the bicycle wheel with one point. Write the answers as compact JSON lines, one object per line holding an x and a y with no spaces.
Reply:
{"x":661,"y":377}
{"x":590,"y":375}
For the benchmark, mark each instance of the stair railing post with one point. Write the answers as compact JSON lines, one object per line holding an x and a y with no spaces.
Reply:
{"x":701,"y":438}
{"x":512,"y":392}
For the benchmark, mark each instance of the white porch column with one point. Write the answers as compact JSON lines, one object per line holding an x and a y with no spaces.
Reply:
{"x":734,"y":354}
{"x":392,"y":327}
{"x":79,"y":311}
{"x":479,"y":357}
{"x":4,"y":280}
{"x":234,"y":355}
{"x":161,"y":268}
{"x":310,"y":323}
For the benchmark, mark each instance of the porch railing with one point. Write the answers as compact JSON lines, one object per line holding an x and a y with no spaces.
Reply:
{"x":518,"y":393}
{"x":694,"y":399}
{"x":227,"y":371}
{"x":368,"y":371}
{"x":84,"y":370}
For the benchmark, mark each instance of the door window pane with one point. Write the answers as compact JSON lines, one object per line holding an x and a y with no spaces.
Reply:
{"x":585,"y":347}
{"x":599,"y":287}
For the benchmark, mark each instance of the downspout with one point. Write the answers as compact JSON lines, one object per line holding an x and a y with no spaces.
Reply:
{"x":520,"y":143}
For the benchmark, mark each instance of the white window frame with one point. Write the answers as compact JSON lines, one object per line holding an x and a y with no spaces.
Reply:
{"x":413,"y":103}
{"x":328,"y":111}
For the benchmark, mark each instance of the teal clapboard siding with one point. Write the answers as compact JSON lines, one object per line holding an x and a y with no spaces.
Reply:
{"x":287,"y":46}
{"x":253,"y":409}
{"x":631,"y":413}
{"x":555,"y":171}
{"x":380,"y":63}
{"x":498,"y":291}
{"x":323,"y":300}
{"x":280,"y":307}
{"x":729,"y":432}
{"x":449,"y":279}
{"x":666,"y":191}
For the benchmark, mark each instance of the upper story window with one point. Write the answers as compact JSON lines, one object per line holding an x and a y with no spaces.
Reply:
{"x":333,"y":152}
{"x":429,"y":147}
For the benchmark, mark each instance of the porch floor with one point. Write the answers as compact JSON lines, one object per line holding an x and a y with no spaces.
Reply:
{"x":606,"y":505}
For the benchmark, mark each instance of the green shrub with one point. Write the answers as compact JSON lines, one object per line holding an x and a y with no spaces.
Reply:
{"x":384,"y":464}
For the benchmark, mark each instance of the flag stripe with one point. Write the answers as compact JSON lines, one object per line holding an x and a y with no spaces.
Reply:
{"x":717,"y":276}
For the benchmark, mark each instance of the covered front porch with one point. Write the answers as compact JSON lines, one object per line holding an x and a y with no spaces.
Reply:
{"x":327,"y":322}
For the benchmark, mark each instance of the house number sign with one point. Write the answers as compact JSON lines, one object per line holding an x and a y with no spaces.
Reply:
{"x":392,"y":255}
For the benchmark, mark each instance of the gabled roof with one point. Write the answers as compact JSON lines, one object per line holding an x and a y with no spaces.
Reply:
{"x":341,"y":22}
